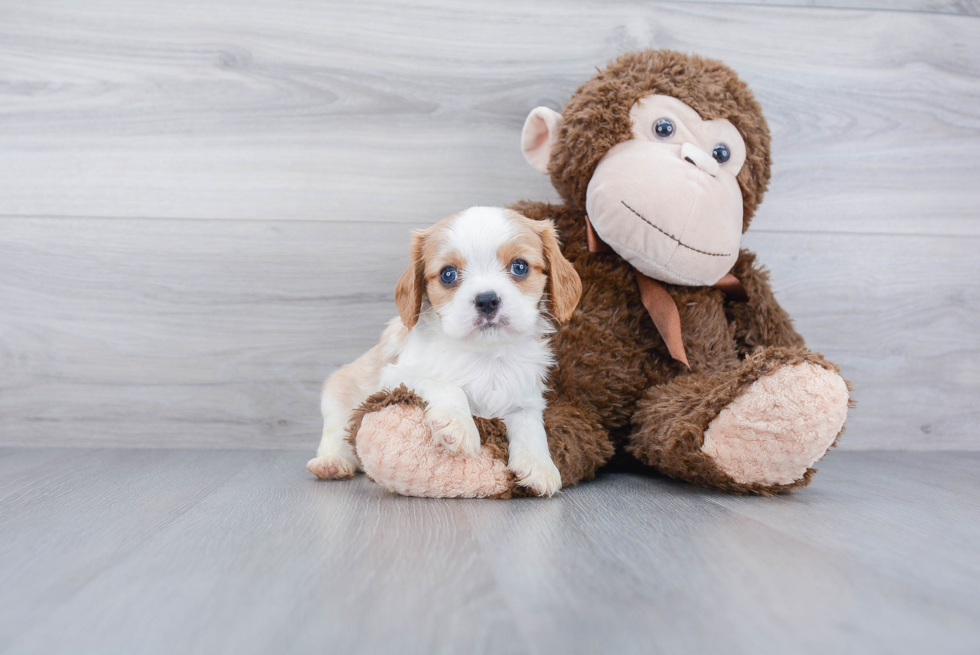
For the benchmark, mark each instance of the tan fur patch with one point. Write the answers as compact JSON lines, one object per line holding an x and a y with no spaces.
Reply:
{"x":437,"y":292}
{"x":564,"y":283}
{"x":527,"y":246}
{"x":352,"y":383}
{"x":411,"y":285}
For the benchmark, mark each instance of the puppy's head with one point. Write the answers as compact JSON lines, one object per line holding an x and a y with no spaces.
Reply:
{"x":484,"y":274}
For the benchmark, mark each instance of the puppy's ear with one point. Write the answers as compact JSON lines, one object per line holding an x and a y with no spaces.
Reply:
{"x":565,"y":286}
{"x":411,"y":285}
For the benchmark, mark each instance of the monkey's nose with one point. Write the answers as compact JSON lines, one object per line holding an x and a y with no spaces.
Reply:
{"x":699,"y":158}
{"x":487,"y":303}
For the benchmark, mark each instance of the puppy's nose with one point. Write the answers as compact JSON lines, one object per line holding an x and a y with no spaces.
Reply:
{"x":487,"y":303}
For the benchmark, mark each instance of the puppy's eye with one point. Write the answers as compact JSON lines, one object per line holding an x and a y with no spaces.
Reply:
{"x":721,"y":153}
{"x":448,"y":275}
{"x":519,"y":268}
{"x":664,"y":128}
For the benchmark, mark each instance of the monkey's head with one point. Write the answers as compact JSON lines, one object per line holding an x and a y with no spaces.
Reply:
{"x":667,"y":153}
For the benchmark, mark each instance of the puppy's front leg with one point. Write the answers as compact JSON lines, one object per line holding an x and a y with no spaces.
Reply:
{"x":448,"y":415}
{"x":335,"y":459}
{"x":530,"y":459}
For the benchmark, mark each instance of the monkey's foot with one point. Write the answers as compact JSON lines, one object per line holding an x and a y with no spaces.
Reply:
{"x":779,"y":426}
{"x":397,"y":450}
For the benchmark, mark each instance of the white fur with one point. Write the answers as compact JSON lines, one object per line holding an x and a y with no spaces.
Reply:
{"x":459,"y":362}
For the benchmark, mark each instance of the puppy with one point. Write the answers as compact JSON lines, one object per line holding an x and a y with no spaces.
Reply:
{"x":471,"y":339}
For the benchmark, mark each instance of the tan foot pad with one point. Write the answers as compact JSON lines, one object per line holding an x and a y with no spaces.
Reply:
{"x":397,"y":451}
{"x":780,"y":426}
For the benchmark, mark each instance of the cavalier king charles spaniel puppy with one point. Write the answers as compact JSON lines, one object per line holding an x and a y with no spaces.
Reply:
{"x":472,"y":338}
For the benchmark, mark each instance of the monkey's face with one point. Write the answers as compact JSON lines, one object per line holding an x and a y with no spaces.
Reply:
{"x":667,"y":200}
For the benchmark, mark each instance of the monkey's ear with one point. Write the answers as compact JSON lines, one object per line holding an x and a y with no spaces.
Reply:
{"x":539,"y":135}
{"x":411,"y":285}
{"x":565,"y":286}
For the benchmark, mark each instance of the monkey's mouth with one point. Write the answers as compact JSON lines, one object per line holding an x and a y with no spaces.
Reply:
{"x":671,"y":236}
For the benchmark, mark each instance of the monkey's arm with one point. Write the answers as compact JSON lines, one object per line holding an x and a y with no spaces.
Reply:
{"x":760,"y":321}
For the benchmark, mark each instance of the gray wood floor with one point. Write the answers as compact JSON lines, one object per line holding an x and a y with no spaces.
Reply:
{"x":178,"y":551}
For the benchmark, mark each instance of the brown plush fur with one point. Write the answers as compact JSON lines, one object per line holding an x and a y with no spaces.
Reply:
{"x":597,"y":117}
{"x":615,"y":383}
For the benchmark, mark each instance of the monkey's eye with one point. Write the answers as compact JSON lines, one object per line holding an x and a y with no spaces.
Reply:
{"x":448,"y":275}
{"x":519,"y":268}
{"x":721,"y":153}
{"x":663,"y":128}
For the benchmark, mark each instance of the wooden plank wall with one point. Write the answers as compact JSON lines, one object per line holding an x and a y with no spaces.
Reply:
{"x":204,"y":206}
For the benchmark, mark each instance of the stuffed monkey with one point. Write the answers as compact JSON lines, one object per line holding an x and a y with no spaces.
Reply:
{"x":678,"y":355}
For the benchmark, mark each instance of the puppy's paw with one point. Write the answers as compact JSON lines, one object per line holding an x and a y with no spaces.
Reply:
{"x":332,"y":467}
{"x":456,"y":432}
{"x":536,"y":472}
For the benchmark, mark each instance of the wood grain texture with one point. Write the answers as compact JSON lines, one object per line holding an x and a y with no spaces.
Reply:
{"x":103,"y":517}
{"x":172,"y":551}
{"x":219,"y":333}
{"x":658,"y":546}
{"x":187,"y":333}
{"x":965,"y":7}
{"x":224,"y":551}
{"x":400,"y":112}
{"x":866,"y":505}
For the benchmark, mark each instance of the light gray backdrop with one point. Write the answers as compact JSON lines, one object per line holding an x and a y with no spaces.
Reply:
{"x":204,"y":206}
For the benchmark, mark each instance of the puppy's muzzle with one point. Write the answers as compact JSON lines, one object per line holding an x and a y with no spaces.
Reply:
{"x":487,"y":303}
